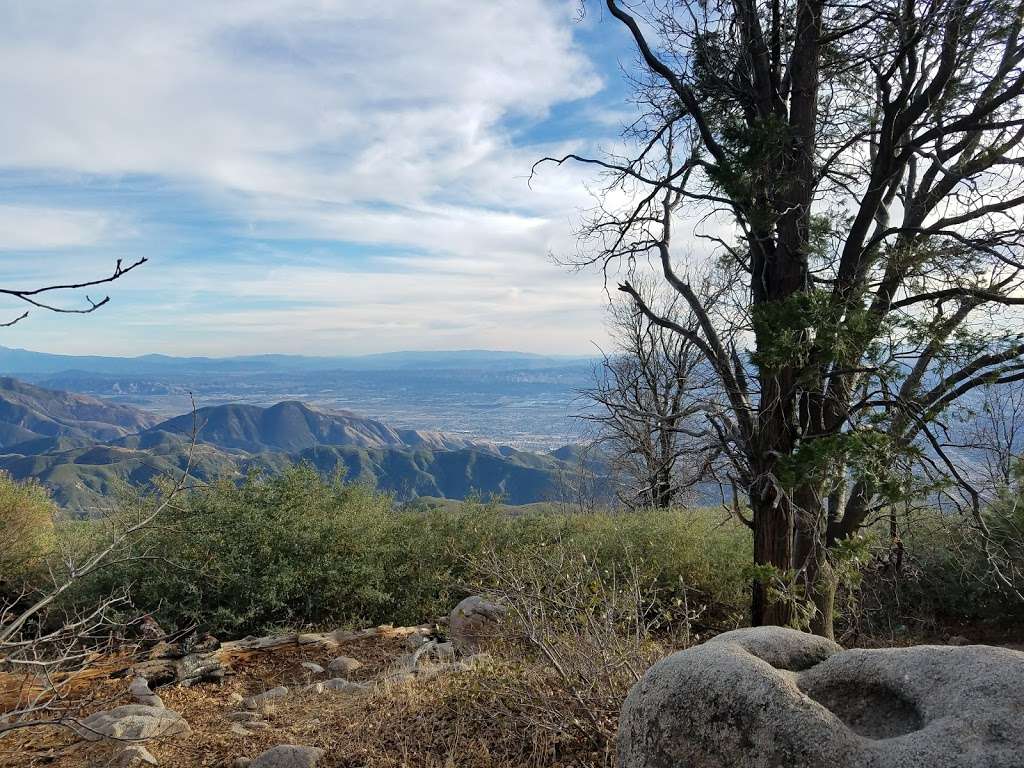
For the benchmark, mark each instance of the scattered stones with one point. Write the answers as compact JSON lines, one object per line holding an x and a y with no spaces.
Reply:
{"x":140,"y":691}
{"x":312,"y":667}
{"x":472,"y":622}
{"x":133,"y":755}
{"x":288,"y":756}
{"x":132,"y":722}
{"x":345,"y":665}
{"x":259,"y":699}
{"x":770,"y":696}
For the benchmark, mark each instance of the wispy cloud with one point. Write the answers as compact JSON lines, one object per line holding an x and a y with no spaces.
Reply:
{"x":237,"y":142}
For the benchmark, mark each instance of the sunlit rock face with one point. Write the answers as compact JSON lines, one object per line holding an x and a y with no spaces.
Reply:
{"x":768,"y":697}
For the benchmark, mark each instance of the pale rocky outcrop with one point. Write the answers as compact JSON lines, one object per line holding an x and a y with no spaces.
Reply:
{"x":768,"y":697}
{"x":132,"y":722}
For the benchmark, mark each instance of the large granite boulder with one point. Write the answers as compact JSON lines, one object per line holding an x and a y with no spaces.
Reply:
{"x":769,"y":697}
{"x":472,"y":622}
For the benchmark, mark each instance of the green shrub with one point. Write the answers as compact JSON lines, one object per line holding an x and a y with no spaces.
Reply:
{"x":26,"y":530}
{"x":293,"y":549}
{"x":942,"y":580}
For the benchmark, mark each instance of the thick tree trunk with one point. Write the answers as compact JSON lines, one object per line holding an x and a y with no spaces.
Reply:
{"x":790,"y":539}
{"x":773,"y":545}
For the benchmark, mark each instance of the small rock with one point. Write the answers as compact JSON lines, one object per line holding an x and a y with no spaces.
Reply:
{"x":238,"y":729}
{"x":288,"y":756}
{"x":243,"y":717}
{"x":255,"y":702}
{"x":241,"y":762}
{"x":345,"y":665}
{"x":141,"y":692}
{"x":235,"y":698}
{"x":135,"y":754}
{"x":312,"y":667}
{"x":472,"y":622}
{"x":336,"y":684}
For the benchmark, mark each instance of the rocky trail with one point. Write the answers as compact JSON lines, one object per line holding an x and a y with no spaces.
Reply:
{"x":272,"y":702}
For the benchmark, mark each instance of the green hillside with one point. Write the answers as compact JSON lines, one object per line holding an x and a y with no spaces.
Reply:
{"x":84,"y":450}
{"x":28,"y":413}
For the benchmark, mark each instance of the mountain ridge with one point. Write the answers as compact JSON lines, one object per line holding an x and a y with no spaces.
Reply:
{"x":84,"y":464}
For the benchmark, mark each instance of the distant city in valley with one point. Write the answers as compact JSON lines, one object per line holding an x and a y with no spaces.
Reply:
{"x":521,"y":400}
{"x":439,"y":424}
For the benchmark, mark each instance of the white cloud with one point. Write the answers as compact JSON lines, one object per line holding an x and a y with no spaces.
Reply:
{"x":35,"y":228}
{"x":376,"y":124}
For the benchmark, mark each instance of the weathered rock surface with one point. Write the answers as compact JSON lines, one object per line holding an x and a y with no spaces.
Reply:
{"x":472,"y":622}
{"x":344,"y":665}
{"x":312,"y":667}
{"x":288,"y":756}
{"x":769,"y":697}
{"x":135,"y":755}
{"x":133,"y":722}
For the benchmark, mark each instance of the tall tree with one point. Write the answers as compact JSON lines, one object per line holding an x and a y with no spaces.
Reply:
{"x":858,"y":169}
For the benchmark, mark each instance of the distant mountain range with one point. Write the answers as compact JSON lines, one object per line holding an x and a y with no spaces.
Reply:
{"x":23,"y":361}
{"x":83,"y":447}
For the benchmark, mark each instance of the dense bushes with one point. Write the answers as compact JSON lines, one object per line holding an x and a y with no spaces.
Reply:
{"x":940,"y":580}
{"x":26,"y":530}
{"x":294,"y":549}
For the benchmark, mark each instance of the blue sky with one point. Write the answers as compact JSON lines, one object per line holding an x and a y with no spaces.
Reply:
{"x":314,"y":176}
